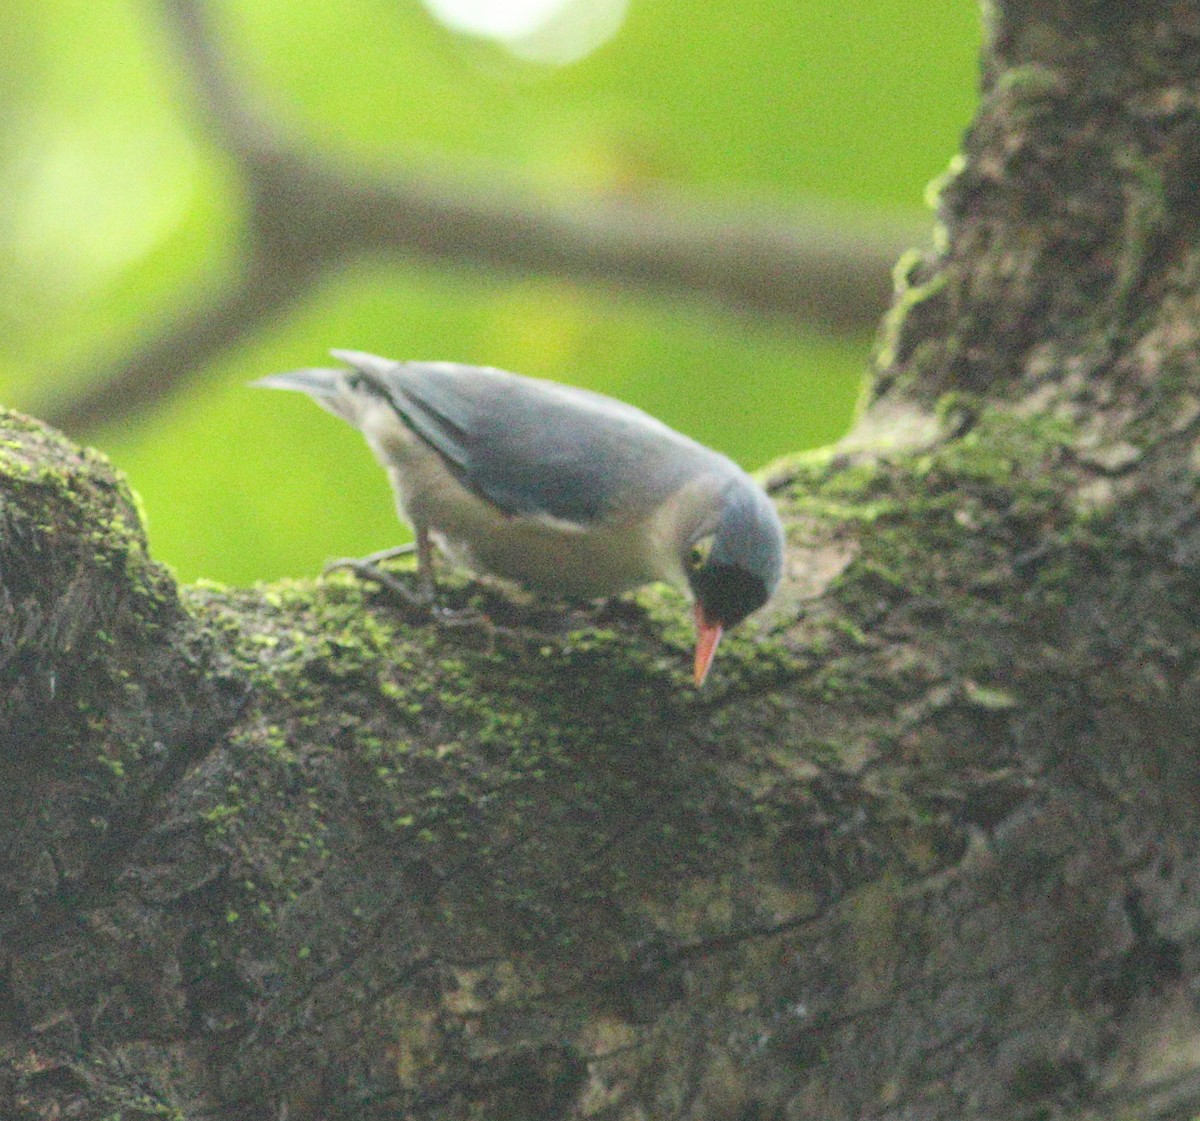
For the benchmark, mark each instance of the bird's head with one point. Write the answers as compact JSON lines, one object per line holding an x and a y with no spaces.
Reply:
{"x":733,"y":569}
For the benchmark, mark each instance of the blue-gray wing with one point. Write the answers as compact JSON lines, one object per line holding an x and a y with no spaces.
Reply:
{"x":533,"y":447}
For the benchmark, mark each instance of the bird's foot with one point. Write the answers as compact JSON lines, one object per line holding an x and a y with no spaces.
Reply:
{"x":405,"y":550}
{"x":417,"y":602}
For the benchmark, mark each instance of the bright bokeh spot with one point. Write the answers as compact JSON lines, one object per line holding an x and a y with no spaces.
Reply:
{"x":549,"y":31}
{"x":497,"y":19}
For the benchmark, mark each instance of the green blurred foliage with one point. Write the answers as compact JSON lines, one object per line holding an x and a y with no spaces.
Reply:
{"x":114,"y":210}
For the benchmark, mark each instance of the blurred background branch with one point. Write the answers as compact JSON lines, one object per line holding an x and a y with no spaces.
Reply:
{"x":696,"y":211}
{"x":306,"y":215}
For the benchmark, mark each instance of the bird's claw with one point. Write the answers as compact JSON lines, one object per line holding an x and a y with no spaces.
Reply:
{"x":417,"y":601}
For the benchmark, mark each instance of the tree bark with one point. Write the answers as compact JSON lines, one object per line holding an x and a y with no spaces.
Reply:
{"x":927,"y":846}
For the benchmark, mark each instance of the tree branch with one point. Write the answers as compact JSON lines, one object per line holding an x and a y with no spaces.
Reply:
{"x":307,"y":217}
{"x":926,"y":846}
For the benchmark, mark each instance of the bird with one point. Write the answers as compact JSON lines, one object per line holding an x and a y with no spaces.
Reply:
{"x":564,"y":491}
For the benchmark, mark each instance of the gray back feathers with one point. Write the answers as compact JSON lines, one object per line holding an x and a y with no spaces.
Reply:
{"x":528,"y":446}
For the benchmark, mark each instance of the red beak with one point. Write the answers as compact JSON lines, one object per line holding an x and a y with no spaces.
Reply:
{"x":708,"y":635}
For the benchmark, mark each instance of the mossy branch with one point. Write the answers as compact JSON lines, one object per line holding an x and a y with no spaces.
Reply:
{"x":927,"y":846}
{"x":322,"y":856}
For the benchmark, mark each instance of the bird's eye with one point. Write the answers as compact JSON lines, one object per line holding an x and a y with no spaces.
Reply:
{"x":698,"y":553}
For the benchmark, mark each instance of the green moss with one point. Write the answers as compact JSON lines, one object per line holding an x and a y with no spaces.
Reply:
{"x":939,"y":184}
{"x":1031,"y":85}
{"x":908,"y":295}
{"x":536,"y":768}
{"x":992,"y":700}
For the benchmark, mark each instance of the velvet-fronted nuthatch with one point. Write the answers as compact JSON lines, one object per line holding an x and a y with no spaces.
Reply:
{"x":561,"y":490}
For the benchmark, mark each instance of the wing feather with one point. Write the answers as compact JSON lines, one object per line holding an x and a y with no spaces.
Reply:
{"x":536,"y":448}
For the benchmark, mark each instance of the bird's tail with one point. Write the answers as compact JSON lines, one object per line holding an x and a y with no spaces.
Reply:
{"x":327,"y":387}
{"x":316,"y":383}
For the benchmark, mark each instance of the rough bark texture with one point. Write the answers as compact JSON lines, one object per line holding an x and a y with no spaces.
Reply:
{"x":927,"y":847}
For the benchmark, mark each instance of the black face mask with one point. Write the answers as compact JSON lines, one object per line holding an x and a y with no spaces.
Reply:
{"x":727,"y":594}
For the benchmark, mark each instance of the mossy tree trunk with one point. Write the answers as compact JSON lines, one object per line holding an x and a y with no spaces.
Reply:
{"x":927,"y":846}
